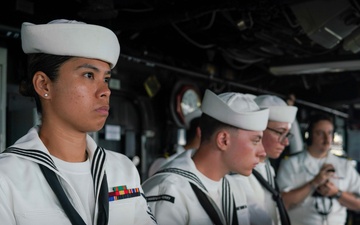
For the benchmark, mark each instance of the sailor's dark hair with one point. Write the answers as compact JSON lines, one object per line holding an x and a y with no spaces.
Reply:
{"x":48,"y":64}
{"x":313,"y":119}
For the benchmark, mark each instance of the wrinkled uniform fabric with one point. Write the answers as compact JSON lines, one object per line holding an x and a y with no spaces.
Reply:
{"x":301,"y":168}
{"x":26,"y":197}
{"x":263,"y":209}
{"x":174,"y":202}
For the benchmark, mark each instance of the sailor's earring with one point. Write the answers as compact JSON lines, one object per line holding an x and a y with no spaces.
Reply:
{"x":46,"y":94}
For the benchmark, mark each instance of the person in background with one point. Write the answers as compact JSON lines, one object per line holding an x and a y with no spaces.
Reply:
{"x":318,"y":186}
{"x":192,"y":141}
{"x":261,"y":198}
{"x":56,"y":174}
{"x":195,"y":187}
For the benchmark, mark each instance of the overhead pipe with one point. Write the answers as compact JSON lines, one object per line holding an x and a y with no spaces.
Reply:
{"x":150,"y":63}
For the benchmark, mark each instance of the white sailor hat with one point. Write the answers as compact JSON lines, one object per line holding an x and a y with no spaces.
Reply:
{"x":193,"y":115}
{"x":236,"y":109}
{"x":279,"y":110}
{"x":71,"y":38}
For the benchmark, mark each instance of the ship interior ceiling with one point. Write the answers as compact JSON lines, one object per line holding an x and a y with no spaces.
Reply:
{"x":305,"y":48}
{"x":308,"y":49}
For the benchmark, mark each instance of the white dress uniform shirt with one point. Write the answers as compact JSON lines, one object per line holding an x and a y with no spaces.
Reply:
{"x":26,"y":197}
{"x":263,"y":209}
{"x":174,"y":202}
{"x":300,"y":168}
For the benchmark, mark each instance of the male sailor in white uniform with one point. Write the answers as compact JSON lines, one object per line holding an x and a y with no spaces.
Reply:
{"x":194,"y":188}
{"x":275,"y":139}
{"x":317,"y":186}
{"x":192,"y":141}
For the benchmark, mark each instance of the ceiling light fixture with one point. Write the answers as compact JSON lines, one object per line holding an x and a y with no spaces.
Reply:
{"x":316,"y":67}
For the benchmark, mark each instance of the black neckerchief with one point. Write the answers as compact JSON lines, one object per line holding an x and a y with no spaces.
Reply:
{"x":284,"y":217}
